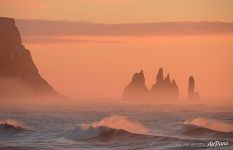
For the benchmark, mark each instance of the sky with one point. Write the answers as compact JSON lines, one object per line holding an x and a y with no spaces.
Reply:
{"x":91,"y":48}
{"x":102,"y":69}
{"x":119,"y":11}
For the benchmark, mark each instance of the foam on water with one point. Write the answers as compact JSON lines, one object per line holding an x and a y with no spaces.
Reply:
{"x":211,"y":124}
{"x":10,"y":126}
{"x":113,"y":125}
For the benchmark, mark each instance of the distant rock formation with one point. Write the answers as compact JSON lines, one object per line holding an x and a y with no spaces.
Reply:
{"x":18,"y":74}
{"x":191,"y":89}
{"x":136,"y":89}
{"x":164,"y":88}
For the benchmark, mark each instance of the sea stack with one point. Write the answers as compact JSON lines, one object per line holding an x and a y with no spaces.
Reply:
{"x":191,"y":89}
{"x":136,"y":89}
{"x":164,"y":88}
{"x":19,"y":76}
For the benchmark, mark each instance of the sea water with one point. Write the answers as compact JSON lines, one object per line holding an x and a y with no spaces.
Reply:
{"x":116,"y":126}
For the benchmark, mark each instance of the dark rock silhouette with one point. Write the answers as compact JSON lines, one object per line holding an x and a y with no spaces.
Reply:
{"x":136,"y":89}
{"x":175,"y":89}
{"x":18,"y":73}
{"x":164,"y":88}
{"x":191,"y":89}
{"x":159,"y":78}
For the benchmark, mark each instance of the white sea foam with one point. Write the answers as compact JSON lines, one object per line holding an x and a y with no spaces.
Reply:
{"x":211,"y":124}
{"x":114,"y":124}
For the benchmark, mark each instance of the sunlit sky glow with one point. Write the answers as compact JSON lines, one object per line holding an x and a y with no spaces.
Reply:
{"x":119,"y":11}
{"x":99,"y":64}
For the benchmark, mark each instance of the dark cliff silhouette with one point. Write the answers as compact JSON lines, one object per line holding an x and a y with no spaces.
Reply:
{"x":136,"y":89}
{"x":18,"y":74}
{"x":164,"y":88}
{"x":192,"y":94}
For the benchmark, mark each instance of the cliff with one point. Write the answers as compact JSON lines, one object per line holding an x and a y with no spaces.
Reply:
{"x":19,"y":75}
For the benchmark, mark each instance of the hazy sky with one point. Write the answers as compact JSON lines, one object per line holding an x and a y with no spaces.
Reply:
{"x":119,"y":11}
{"x":88,"y":60}
{"x":101,"y":68}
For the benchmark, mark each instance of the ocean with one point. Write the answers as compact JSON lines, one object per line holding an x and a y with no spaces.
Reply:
{"x":118,"y":126}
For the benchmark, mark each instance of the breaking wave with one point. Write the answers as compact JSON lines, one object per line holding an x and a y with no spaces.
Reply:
{"x":207,"y":127}
{"x":121,"y":128}
{"x":9,"y":126}
{"x":109,"y":128}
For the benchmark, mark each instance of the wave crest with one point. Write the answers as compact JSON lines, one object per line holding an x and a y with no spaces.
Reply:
{"x":108,"y":128}
{"x":207,"y":127}
{"x":211,"y":124}
{"x":10,"y":126}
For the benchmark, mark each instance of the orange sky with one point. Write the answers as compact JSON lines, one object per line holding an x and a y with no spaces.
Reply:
{"x":101,"y":66}
{"x":102,"y":69}
{"x":119,"y":11}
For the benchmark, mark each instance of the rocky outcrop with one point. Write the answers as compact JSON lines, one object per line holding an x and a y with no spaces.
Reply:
{"x":136,"y":89}
{"x":192,"y":94}
{"x":164,"y":88}
{"x":18,"y":74}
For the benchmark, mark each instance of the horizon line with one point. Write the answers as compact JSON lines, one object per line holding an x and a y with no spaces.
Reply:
{"x":114,"y":23}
